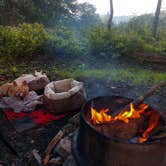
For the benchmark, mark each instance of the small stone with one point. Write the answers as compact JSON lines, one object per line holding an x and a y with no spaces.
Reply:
{"x":71,"y":134}
{"x":69,"y":161}
{"x":32,"y":141}
{"x":64,"y":147}
{"x":56,"y":161}
{"x":69,"y":128}
{"x":113,"y":87}
{"x":134,"y":140}
{"x":75,"y":119}
{"x":35,"y":159}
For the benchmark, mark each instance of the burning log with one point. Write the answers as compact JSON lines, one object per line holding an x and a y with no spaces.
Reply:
{"x":129,"y":121}
{"x":125,"y":125}
{"x":121,"y":130}
{"x":128,"y":124}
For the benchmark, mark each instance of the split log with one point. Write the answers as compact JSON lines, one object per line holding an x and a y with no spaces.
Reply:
{"x":51,"y":145}
{"x":121,"y":130}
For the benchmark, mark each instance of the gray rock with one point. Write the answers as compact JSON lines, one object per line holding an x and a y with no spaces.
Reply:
{"x":69,"y":128}
{"x":69,"y":161}
{"x":57,"y":161}
{"x":35,"y":159}
{"x":64,"y":147}
{"x":75,"y":119}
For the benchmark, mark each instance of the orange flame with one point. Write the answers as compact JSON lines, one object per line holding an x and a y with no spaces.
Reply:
{"x":154,"y":118}
{"x":100,"y":117}
{"x":125,"y":116}
{"x":131,"y":114}
{"x":103,"y":117}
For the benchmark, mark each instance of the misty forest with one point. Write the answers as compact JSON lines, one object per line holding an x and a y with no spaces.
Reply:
{"x":122,"y":56}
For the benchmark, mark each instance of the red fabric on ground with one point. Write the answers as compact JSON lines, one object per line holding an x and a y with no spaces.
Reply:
{"x":42,"y":117}
{"x":38,"y":116}
{"x":11,"y":115}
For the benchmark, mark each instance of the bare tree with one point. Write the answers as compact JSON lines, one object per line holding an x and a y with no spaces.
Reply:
{"x":111,"y":15}
{"x":156,"y":18}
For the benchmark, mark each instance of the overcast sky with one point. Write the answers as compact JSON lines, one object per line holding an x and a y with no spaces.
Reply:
{"x":126,"y":7}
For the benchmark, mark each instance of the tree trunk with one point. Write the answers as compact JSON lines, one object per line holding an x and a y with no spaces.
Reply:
{"x":111,"y":15}
{"x":156,"y":18}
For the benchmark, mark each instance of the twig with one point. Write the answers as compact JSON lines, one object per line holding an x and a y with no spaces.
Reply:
{"x":149,"y":93}
{"x":138,"y":101}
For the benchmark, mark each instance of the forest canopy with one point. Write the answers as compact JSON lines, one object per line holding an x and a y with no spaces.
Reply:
{"x":47,"y":12}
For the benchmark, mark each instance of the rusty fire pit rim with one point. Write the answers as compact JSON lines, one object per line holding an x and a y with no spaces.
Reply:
{"x":82,"y":116}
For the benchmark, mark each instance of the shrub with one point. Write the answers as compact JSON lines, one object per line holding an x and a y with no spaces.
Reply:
{"x":129,"y":43}
{"x":63,"y":41}
{"x":101,"y":42}
{"x":23,"y":41}
{"x":110,"y":43}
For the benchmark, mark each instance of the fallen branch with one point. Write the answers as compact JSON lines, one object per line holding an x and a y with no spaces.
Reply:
{"x":51,"y":145}
{"x":141,"y":99}
{"x":151,"y":91}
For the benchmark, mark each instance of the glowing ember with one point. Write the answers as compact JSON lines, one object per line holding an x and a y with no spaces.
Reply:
{"x":125,"y":116}
{"x":154,"y":118}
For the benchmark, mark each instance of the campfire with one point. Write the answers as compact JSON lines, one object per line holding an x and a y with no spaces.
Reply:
{"x":117,"y":131}
{"x":150,"y":119}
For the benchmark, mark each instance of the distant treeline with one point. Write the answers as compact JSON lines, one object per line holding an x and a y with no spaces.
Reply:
{"x":47,"y":12}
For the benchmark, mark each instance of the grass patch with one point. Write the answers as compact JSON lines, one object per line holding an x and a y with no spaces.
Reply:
{"x":132,"y":75}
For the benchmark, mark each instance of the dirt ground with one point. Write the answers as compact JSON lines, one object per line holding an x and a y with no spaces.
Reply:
{"x":39,"y":138}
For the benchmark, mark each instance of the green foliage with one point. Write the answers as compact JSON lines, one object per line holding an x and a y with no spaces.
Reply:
{"x":85,"y":15}
{"x":24,"y":41}
{"x":14,"y":69}
{"x":33,"y":10}
{"x":109,"y":43}
{"x":47,"y":12}
{"x":129,"y":38}
{"x":100,"y":42}
{"x":63,"y":41}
